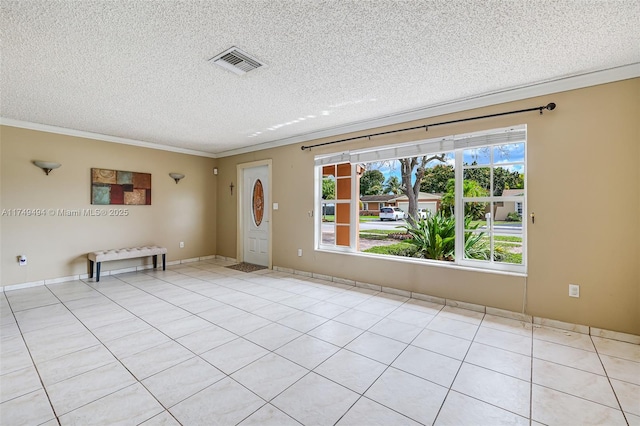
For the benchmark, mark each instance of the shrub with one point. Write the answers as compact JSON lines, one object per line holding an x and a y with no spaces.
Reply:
{"x":513,"y":217}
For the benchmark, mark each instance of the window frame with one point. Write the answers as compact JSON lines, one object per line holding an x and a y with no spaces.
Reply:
{"x":456,"y":144}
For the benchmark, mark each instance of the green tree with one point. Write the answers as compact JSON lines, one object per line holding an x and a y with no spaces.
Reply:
{"x":411,"y":187}
{"x":435,"y":178}
{"x":328,"y":189}
{"x":371,"y":183}
{"x":502,"y":178}
{"x":393,"y":186}
{"x":470,"y":188}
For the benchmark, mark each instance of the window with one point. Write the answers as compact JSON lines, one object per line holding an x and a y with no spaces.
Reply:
{"x":472,"y":188}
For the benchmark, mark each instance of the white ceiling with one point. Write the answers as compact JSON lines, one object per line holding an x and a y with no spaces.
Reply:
{"x":138,"y":70}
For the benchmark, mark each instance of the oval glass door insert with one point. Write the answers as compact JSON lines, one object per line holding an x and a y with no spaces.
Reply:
{"x":258,"y":202}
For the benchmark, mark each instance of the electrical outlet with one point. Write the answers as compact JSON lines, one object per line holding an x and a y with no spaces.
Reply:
{"x":181,"y":244}
{"x":22,"y":260}
{"x":299,"y":252}
{"x":574,"y":290}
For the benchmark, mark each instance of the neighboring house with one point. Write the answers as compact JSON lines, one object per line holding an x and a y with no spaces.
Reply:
{"x":371,"y":204}
{"x":504,"y":208}
{"x":426,"y":200}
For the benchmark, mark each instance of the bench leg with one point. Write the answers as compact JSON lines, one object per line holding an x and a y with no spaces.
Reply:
{"x":98,"y":271}
{"x":164,"y":262}
{"x":90,"y":268}
{"x":155,"y":261}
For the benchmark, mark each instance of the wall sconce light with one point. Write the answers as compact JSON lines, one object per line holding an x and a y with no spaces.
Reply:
{"x":176,"y":176}
{"x":47,"y":166}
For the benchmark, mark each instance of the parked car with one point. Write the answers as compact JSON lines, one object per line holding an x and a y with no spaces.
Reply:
{"x":391,"y":213}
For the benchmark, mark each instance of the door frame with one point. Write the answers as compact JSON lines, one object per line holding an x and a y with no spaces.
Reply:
{"x":242,"y":209}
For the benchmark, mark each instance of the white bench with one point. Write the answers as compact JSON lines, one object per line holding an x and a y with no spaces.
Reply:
{"x":125,"y":253}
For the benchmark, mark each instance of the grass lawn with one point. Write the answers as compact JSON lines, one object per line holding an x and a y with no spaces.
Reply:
{"x":332,"y":218}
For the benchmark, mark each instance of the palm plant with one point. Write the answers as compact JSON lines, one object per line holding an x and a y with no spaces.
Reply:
{"x":434,"y":238}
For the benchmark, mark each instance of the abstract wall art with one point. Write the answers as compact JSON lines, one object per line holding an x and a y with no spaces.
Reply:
{"x":119,"y":187}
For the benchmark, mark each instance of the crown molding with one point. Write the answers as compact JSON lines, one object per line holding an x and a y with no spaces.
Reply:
{"x":508,"y":95}
{"x":100,"y":137}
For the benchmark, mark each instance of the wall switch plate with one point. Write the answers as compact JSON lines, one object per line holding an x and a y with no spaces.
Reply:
{"x":181,"y":244}
{"x":275,"y":206}
{"x":299,"y":252}
{"x":574,"y":290}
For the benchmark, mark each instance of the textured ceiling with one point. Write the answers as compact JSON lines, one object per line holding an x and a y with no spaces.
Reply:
{"x":139,"y":70}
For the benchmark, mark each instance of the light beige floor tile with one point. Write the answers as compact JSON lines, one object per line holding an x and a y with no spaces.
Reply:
{"x":326,"y":309}
{"x":411,"y":316}
{"x":632,"y":419}
{"x":19,"y":383}
{"x":272,"y":336}
{"x":182,"y":327}
{"x":153,"y":360}
{"x":424,"y":306}
{"x":456,"y":328}
{"x":206,"y":339}
{"x":396,"y":330}
{"x":494,"y":388}
{"x":504,"y":340}
{"x":351,"y":370}
{"x":44,"y":317}
{"x":298,"y":301}
{"x":269,"y":375}
{"x":509,"y":325}
{"x":120,"y":329}
{"x":617,"y":349}
{"x":234,"y":355}
{"x":303,"y":321}
{"x":243,"y":324}
{"x":14,"y":354}
{"x":370,"y":413}
{"x":621,"y":369}
{"x":444,"y":344}
{"x":428,"y":365}
{"x":552,"y":408}
{"x":182,"y":381}
{"x":358,"y":319}
{"x":460,"y":314}
{"x":307,"y":351}
{"x":221,"y":313}
{"x":57,"y":343}
{"x":165,"y":315}
{"x":567,"y":355}
{"x":275,"y":311}
{"x":336,"y":333}
{"x":505,"y":362}
{"x":163,"y":419}
{"x":412,"y":396}
{"x":268,"y":415}
{"x":73,"y":364}
{"x":131,"y":405}
{"x":375,"y":307}
{"x":459,"y":409}
{"x":29,"y":298}
{"x":136,"y":342}
{"x":379,"y":348}
{"x":30,"y":409}
{"x":77,"y":391}
{"x":629,"y":396}
{"x":348,"y":299}
{"x":574,"y":382}
{"x":314,"y":400}
{"x":233,"y":403}
{"x":563,"y":337}
{"x":200,"y":305}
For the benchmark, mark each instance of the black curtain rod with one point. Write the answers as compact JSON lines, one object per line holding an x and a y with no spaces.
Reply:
{"x":550,"y":106}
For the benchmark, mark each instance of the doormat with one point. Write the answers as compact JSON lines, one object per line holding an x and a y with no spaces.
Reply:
{"x":246,"y":267}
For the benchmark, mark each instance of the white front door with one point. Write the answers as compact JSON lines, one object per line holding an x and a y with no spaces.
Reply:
{"x":256,"y":215}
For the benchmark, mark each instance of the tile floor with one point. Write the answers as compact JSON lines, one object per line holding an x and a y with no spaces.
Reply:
{"x":204,"y":344}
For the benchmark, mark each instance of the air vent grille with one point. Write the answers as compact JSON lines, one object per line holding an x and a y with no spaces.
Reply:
{"x":237,"y":61}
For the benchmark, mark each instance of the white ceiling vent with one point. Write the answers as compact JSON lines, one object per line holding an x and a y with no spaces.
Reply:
{"x":237,"y":61}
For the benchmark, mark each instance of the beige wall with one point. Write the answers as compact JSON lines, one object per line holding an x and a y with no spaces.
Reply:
{"x":56,"y":246}
{"x":589,"y":144}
